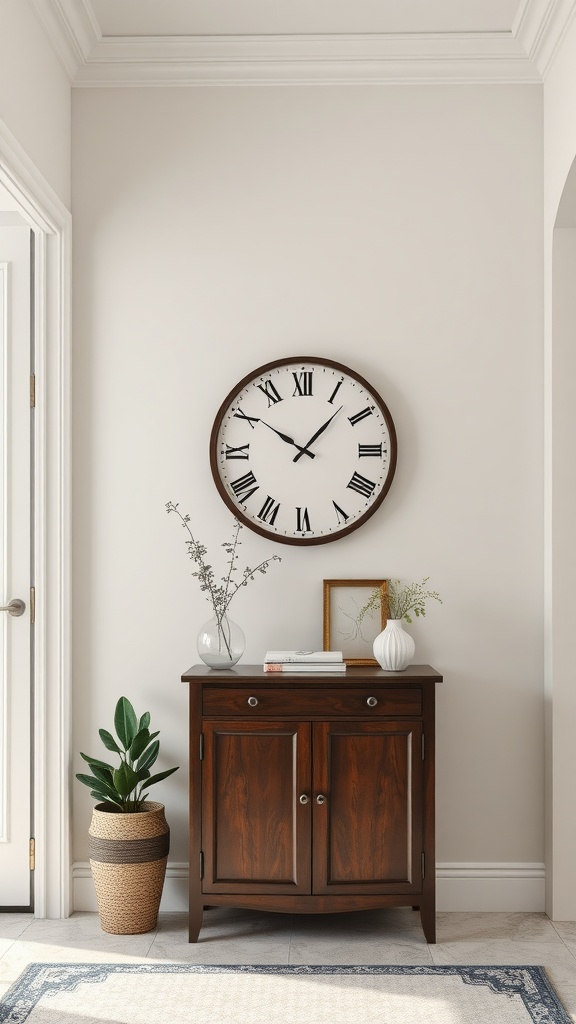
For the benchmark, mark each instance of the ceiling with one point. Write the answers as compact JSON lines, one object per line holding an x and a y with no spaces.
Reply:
{"x":296,"y":17}
{"x":233,"y":42}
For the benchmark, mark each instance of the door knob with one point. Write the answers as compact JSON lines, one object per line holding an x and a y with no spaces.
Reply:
{"x":372,"y":702}
{"x":14,"y":607}
{"x":303,"y":799}
{"x":253,"y":701}
{"x":320,"y":799}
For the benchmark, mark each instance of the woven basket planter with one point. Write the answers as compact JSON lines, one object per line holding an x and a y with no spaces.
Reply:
{"x":128,"y":855}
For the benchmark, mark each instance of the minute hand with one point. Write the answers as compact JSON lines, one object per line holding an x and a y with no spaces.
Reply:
{"x":314,"y":437}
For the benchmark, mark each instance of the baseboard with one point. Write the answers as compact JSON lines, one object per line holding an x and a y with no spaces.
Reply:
{"x":459,"y":887}
{"x":504,"y":887}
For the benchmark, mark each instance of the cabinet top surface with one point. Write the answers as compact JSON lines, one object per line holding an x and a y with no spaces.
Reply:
{"x":353,"y":674}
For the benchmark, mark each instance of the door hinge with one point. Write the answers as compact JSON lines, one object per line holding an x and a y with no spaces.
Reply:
{"x":32,"y":605}
{"x":201,"y":864}
{"x":423,"y":866}
{"x":201,"y":746}
{"x":32,"y":390}
{"x":32,"y":854}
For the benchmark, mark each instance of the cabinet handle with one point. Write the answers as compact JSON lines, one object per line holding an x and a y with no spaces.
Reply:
{"x":372,"y":702}
{"x":252,"y":701}
{"x":303,"y":798}
{"x":320,"y":799}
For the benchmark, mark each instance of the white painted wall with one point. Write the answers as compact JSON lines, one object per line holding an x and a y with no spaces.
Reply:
{"x":398,"y":230}
{"x":35,"y":95}
{"x":560,"y":419}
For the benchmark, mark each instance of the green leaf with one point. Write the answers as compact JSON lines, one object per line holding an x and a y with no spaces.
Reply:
{"x":102,"y":785}
{"x":102,"y":798}
{"x":125,"y":722}
{"x":94,"y":760}
{"x":143,"y":774}
{"x":109,"y":741}
{"x":105,"y":774}
{"x":160,"y":776}
{"x":88,"y":780}
{"x":125,"y":779}
{"x":107,"y":787}
{"x":149,"y":756}
{"x":139,"y":744}
{"x":144,"y":722}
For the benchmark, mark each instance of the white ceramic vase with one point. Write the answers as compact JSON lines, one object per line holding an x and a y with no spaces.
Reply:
{"x":394,"y":647}
{"x":221,"y":643}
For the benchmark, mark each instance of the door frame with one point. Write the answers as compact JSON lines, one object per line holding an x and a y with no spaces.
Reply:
{"x":52,"y":224}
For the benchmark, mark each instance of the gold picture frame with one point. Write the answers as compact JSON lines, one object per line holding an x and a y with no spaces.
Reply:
{"x":354,"y":613}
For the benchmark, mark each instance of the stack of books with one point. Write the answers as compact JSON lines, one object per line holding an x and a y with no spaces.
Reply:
{"x":304,"y":661}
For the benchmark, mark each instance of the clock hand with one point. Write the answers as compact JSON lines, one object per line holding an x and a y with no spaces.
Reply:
{"x":289,"y":440}
{"x":315,"y":437}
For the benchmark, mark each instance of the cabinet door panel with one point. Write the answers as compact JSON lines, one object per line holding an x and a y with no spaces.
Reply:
{"x":256,"y":833}
{"x":368,"y":832}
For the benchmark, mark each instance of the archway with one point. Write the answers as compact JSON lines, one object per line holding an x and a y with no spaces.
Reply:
{"x":561,"y":566}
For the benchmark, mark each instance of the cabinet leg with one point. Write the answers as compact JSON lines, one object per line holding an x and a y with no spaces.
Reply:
{"x":428,"y":918}
{"x":194,"y":922}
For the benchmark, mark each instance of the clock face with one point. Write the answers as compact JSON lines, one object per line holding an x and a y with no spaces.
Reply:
{"x":303,"y":450}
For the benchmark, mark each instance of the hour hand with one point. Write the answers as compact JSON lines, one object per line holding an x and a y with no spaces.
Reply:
{"x":289,"y":440}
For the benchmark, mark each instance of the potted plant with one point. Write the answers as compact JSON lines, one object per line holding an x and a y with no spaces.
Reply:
{"x":129,"y":838}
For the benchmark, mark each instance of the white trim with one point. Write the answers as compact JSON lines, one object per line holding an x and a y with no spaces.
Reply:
{"x":72,"y":29}
{"x":4,"y":712}
{"x":52,"y":225}
{"x":506,"y":869}
{"x":522,"y":55}
{"x":92,"y":60}
{"x":540,"y":29}
{"x":460,"y":887}
{"x":311,"y":59}
{"x":496,"y":887}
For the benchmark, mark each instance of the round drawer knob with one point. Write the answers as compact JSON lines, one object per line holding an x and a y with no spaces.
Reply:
{"x":252,"y":701}
{"x":303,"y":799}
{"x":372,"y":702}
{"x":320,"y":799}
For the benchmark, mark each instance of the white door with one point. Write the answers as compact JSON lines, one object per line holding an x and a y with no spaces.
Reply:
{"x":16,"y":632}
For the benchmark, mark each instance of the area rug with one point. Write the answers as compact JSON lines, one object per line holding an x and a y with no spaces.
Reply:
{"x":167,"y":993}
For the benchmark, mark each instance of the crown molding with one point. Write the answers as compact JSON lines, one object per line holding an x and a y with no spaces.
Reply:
{"x":72,"y":28}
{"x":92,"y":60}
{"x":310,"y":59}
{"x":540,"y":29}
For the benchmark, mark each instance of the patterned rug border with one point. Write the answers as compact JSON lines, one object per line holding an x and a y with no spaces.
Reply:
{"x":529,"y":981}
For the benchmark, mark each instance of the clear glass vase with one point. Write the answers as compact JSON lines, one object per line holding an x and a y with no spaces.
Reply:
{"x":221,"y":642}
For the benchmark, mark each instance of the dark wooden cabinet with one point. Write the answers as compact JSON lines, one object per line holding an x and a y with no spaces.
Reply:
{"x":314,"y":794}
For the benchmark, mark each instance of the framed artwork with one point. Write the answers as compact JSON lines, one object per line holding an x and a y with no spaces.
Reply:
{"x":355,"y":611}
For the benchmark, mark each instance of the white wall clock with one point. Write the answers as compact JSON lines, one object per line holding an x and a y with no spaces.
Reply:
{"x":303,"y":450}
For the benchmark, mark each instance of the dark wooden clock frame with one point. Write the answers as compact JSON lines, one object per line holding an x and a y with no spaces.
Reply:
{"x":214,"y":461}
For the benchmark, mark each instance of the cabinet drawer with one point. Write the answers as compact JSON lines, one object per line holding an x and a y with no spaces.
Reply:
{"x":343,"y":702}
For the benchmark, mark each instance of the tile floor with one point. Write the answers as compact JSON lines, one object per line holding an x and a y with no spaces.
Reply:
{"x":231,"y":936}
